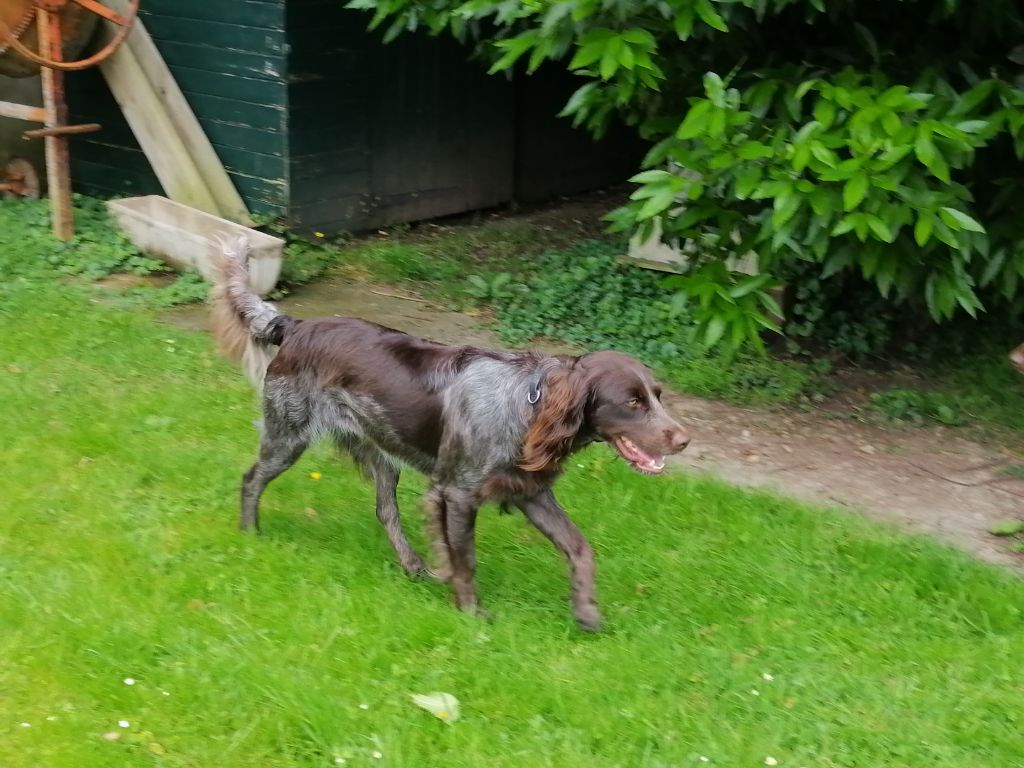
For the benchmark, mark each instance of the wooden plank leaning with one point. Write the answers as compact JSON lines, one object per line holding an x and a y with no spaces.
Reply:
{"x":182,"y":156}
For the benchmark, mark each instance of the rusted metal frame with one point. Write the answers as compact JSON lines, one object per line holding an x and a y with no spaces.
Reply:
{"x":58,"y":165}
{"x":123,"y":22}
{"x":62,"y":130}
{"x":107,"y":13}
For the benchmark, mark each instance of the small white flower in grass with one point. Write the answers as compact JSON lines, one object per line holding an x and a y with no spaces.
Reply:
{"x":767,"y":677}
{"x":377,"y":755}
{"x":364,"y":706}
{"x":339,"y":761}
{"x":165,"y":693}
{"x":129,"y":681}
{"x":704,"y":759}
{"x":124,"y":723}
{"x":51,"y":718}
{"x":26,"y":725}
{"x":754,"y":692}
{"x":770,"y":761}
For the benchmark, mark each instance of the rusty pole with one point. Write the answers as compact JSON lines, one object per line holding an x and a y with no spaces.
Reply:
{"x":58,"y":165}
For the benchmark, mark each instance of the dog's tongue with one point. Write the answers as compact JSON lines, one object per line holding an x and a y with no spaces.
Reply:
{"x":632,"y":453}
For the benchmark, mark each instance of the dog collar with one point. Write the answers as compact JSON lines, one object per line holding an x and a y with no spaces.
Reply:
{"x":534,"y":392}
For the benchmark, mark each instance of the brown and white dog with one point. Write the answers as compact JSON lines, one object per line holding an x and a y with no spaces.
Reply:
{"x":482,"y":424}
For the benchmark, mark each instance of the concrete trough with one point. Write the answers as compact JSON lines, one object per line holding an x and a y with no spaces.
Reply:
{"x":186,"y":238}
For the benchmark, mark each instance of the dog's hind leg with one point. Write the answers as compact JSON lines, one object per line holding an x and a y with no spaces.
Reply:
{"x":278,"y":451}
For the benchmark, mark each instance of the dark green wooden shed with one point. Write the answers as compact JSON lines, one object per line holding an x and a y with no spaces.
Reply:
{"x":319,"y":122}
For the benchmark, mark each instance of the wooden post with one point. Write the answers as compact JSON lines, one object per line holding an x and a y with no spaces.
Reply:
{"x":58,"y":166}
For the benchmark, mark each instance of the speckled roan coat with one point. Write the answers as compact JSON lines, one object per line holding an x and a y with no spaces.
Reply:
{"x":482,"y":424}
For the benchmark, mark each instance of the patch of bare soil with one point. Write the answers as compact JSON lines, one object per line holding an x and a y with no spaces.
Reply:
{"x":932,"y":481}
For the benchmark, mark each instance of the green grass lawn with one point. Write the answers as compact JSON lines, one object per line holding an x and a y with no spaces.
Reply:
{"x":740,"y":627}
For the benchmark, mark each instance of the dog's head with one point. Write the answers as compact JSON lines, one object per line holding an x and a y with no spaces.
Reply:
{"x":1017,"y":358}
{"x":605,"y":396}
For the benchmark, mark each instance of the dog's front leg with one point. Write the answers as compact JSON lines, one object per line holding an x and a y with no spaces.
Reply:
{"x":551,"y":520}
{"x":456,"y":510}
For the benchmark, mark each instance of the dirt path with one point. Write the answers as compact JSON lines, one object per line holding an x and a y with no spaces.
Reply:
{"x":925,"y":480}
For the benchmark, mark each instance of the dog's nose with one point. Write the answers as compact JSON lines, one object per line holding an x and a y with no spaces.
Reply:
{"x":678,"y":438}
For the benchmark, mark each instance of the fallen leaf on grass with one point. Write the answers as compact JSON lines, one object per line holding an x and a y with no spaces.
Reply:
{"x":443,"y":706}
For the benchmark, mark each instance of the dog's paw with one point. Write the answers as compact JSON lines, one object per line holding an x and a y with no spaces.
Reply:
{"x":475,"y":609}
{"x":482,"y":613}
{"x":588,"y":618}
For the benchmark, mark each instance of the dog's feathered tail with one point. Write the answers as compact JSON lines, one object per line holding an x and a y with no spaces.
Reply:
{"x":247,"y":329}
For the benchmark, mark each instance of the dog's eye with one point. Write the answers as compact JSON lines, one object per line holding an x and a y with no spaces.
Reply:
{"x":634,"y":403}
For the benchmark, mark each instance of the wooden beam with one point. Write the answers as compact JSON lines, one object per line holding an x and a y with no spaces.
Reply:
{"x":22,"y":112}
{"x":156,"y":134}
{"x":179,"y":113}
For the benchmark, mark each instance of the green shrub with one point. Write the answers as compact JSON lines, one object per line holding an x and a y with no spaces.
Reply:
{"x":587,"y":297}
{"x":882,"y":139}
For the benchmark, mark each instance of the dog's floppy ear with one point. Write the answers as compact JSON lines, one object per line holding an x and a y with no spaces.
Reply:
{"x":557,"y":421}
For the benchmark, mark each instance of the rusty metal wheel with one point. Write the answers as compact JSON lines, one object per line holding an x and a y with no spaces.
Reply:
{"x":124,"y":22}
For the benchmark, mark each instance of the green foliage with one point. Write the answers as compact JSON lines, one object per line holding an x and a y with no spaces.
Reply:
{"x":728,"y":306}
{"x":1012,"y":531}
{"x":98,"y":248}
{"x":303,"y":260}
{"x":399,"y":261}
{"x":587,"y":297}
{"x":394,"y":261}
{"x":497,"y":287}
{"x":187,"y":288}
{"x":841,"y":315}
{"x":882,"y":139}
{"x":1007,"y":528}
{"x":916,"y":407}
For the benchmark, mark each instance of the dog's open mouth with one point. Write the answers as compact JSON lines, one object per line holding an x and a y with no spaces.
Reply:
{"x":637,"y":458}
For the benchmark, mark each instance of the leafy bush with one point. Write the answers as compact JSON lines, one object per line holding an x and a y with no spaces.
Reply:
{"x":588,"y":298}
{"x":883,"y":139}
{"x":840,"y":316}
